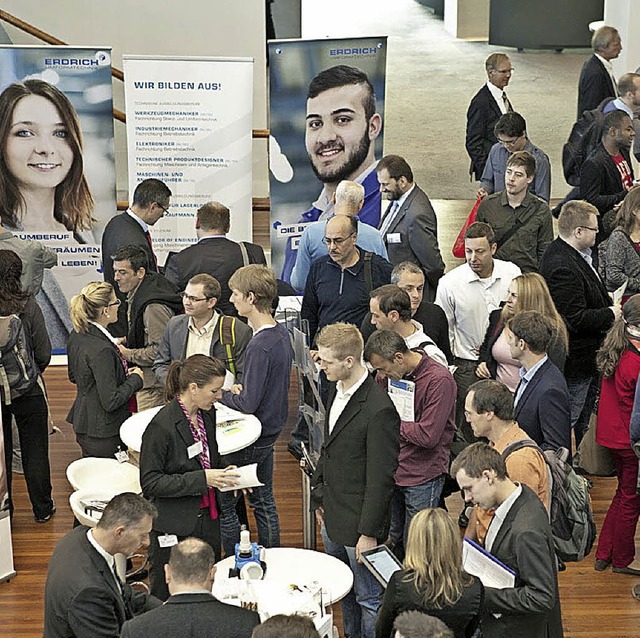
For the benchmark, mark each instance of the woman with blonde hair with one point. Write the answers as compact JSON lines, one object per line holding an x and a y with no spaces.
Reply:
{"x":106,"y":386}
{"x":622,"y":252}
{"x":432,"y":580}
{"x":526,"y":292}
{"x":619,"y":362}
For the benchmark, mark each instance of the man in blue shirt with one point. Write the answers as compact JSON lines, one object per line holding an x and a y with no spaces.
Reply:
{"x":348,"y":200}
{"x":511,"y":131}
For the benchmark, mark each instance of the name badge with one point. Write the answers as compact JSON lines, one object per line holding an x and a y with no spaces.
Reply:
{"x":122,"y":456}
{"x":393,"y":238}
{"x":167,"y":540}
{"x":195,"y":449}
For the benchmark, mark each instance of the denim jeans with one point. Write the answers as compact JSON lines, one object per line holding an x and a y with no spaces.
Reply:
{"x":360,"y":605}
{"x":408,"y":501}
{"x":261,"y":500}
{"x":582,"y":396}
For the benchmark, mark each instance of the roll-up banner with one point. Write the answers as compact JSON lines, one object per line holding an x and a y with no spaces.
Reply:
{"x":57,"y":179}
{"x":326,"y":115}
{"x":189,"y":124}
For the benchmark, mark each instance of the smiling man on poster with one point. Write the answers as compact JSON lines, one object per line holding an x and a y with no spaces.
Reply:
{"x":341,"y":127}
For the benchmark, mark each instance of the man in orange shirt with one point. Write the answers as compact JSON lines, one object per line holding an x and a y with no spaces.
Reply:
{"x":489,"y":411}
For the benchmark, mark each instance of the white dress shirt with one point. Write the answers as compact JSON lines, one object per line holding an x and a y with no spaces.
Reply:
{"x":498,"y":517}
{"x":342,"y":398}
{"x":467,"y":302}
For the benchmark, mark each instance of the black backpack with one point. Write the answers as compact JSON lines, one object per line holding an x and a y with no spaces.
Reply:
{"x":571,"y":517}
{"x":18,"y":371}
{"x":584,"y":137}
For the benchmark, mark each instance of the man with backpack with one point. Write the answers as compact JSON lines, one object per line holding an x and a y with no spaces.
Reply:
{"x":203,"y":330}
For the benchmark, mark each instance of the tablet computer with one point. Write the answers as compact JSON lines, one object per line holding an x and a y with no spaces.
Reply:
{"x":381,"y":562}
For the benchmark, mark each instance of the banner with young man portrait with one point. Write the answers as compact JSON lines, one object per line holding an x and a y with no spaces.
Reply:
{"x":326,"y":115}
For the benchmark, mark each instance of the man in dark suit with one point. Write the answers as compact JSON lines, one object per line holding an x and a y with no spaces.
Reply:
{"x":409,"y":226}
{"x":606,"y":175}
{"x":84,"y":596}
{"x":520,"y":537}
{"x":542,"y":407}
{"x":151,"y":199}
{"x":597,"y":81}
{"x":191,"y":609}
{"x":487,"y":105}
{"x":583,"y":302}
{"x":353,"y":482}
{"x":214,"y":254}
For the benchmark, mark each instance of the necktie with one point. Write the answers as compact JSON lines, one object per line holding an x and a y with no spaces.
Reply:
{"x":388,"y":218}
{"x":155,"y":261}
{"x":507,"y":104}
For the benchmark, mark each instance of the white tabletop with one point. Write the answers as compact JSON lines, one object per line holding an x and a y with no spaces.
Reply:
{"x":104,"y":475}
{"x":234,"y":431}
{"x":300,"y":567}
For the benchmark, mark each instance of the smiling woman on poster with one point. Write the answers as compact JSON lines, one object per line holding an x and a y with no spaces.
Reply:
{"x":42,"y":182}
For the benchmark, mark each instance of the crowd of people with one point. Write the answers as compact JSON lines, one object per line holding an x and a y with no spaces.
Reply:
{"x":416,"y":367}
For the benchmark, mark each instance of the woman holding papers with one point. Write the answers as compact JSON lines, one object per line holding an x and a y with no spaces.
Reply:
{"x":179,"y":463}
{"x":619,"y":362}
{"x":432,"y":580}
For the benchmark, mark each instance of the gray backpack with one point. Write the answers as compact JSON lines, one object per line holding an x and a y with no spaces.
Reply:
{"x":18,"y":371}
{"x":571,"y":517}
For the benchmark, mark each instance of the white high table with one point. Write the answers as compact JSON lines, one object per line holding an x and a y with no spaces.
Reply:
{"x":234,"y":430}
{"x":290,"y":568}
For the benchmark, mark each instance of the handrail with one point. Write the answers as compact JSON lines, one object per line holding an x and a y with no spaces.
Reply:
{"x":116,"y":73}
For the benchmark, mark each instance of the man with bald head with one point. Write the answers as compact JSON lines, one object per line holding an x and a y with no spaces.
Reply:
{"x":338,"y":285}
{"x":348,"y":199}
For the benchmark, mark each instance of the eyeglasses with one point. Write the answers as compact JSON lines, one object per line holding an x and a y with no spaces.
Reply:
{"x":166,"y":210}
{"x":595,"y":230}
{"x":117,"y":302}
{"x":338,"y":241}
{"x":193,"y":299}
{"x":509,"y":142}
{"x":511,"y":70}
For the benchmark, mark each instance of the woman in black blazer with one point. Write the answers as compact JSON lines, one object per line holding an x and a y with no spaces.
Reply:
{"x":176,"y":473}
{"x":106,"y":386}
{"x":28,"y":406}
{"x":432,"y":580}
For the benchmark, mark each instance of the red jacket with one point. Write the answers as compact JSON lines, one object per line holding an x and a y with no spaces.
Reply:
{"x":616,"y":402}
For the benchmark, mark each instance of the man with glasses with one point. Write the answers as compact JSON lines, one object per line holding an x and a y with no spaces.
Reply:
{"x":511,"y":132}
{"x":522,"y":222}
{"x":488,"y":104}
{"x":583,"y":301}
{"x":338,"y":285}
{"x":202,"y":330}
{"x":151,"y":301}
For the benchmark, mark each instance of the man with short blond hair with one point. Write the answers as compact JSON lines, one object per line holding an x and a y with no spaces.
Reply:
{"x":353,"y":482}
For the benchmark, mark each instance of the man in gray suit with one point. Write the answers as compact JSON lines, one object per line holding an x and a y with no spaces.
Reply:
{"x":520,"y":537}
{"x":84,"y":596}
{"x":409,"y":226}
{"x":191,"y":610}
{"x":202,"y":330}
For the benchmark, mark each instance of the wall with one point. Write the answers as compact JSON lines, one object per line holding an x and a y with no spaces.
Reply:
{"x":191,"y":27}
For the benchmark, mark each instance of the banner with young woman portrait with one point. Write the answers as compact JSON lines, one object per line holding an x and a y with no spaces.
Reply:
{"x":189,"y":124}
{"x":57,"y":175}
{"x":326,"y":115}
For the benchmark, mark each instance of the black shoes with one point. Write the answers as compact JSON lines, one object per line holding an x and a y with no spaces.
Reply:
{"x":600,"y":564}
{"x":47,"y":518}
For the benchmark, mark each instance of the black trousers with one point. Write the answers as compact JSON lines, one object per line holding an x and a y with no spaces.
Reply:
{"x":206,"y":529}
{"x":102,"y":448}
{"x":32,"y":418}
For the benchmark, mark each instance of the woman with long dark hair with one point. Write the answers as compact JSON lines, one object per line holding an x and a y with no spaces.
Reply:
{"x":432,"y":580}
{"x":180,"y":466}
{"x":619,"y":362}
{"x":106,"y":385}
{"x":29,"y":407}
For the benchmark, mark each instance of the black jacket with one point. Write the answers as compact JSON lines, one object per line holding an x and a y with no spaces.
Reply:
{"x":594,"y":86}
{"x":217,"y":256}
{"x":583,"y":302}
{"x":482,"y":115}
{"x":353,"y":480}
{"x":95,"y":366}
{"x":600,"y":181}
{"x":171,"y":480}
